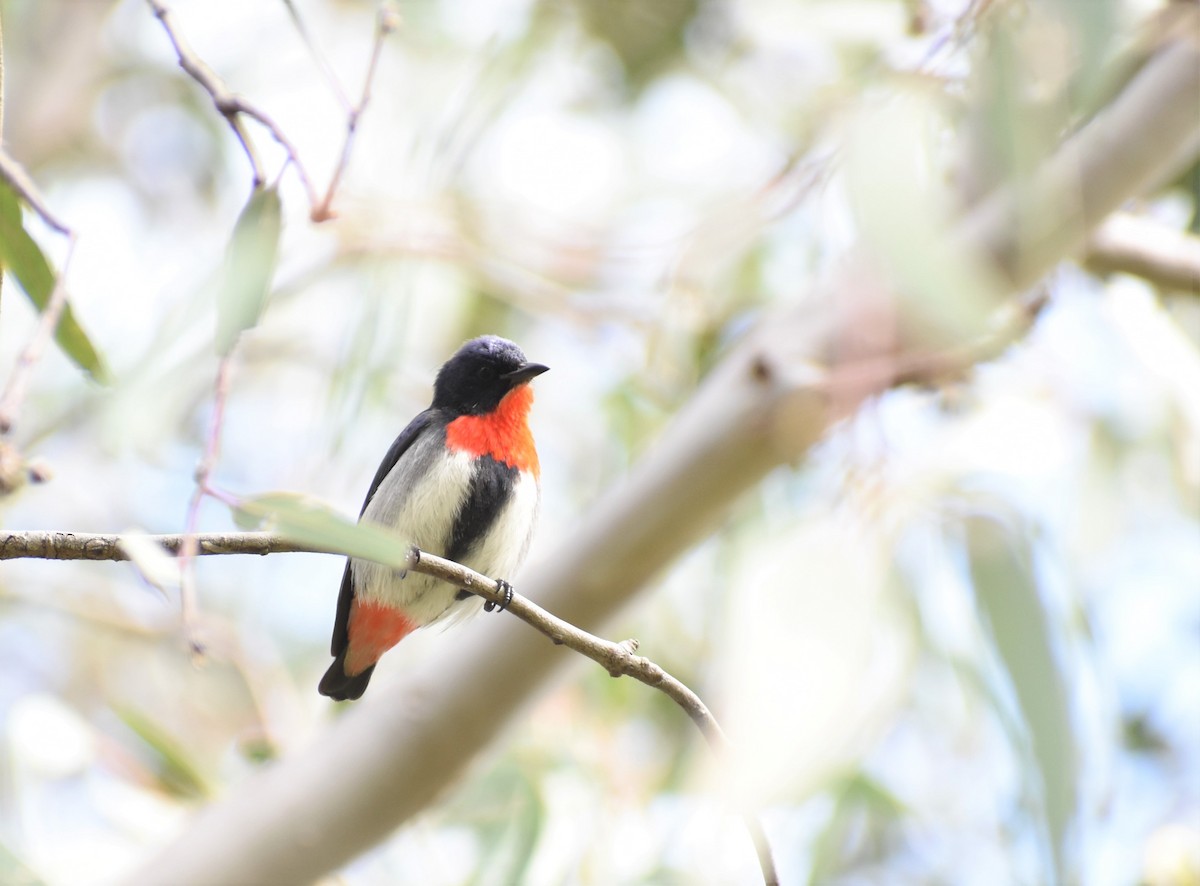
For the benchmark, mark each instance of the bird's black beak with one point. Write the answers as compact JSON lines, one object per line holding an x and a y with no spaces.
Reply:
{"x":525,"y":372}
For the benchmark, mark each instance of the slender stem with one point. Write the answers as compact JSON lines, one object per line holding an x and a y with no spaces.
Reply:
{"x":18,"y":179}
{"x":189,"y":546}
{"x":230,"y":105}
{"x":385,"y":24}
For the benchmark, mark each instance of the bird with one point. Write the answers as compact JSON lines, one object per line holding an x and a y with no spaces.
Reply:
{"x":462,"y":481}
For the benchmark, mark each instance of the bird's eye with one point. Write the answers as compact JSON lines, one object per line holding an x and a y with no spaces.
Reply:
{"x":486,"y":372}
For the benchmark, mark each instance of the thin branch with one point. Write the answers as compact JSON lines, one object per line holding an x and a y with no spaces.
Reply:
{"x":386,"y":22}
{"x":189,"y":547}
{"x":230,"y":105}
{"x":616,"y":658}
{"x":38,"y":545}
{"x":18,"y":179}
{"x":1160,"y":255}
{"x":619,"y":659}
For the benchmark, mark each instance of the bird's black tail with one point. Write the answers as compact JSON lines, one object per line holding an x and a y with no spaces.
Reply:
{"x":339,"y":685}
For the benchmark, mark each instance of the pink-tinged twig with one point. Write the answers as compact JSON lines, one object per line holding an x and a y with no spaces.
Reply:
{"x":189,"y":547}
{"x":386,"y":22}
{"x":18,"y":179}
{"x":233,"y":107}
{"x":230,"y":106}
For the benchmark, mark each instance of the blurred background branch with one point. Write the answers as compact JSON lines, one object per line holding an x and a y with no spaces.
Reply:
{"x":1159,"y":254}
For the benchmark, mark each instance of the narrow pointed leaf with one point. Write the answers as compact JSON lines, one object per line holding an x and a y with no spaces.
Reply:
{"x":1007,"y":594}
{"x":23,"y":258}
{"x":177,"y":772}
{"x":310,"y":522}
{"x":249,"y":267}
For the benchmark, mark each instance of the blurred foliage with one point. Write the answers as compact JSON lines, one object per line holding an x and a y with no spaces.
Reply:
{"x":972,"y":609}
{"x":173,"y":766}
{"x":860,"y":829}
{"x":21,"y":257}
{"x":1002,"y":573}
{"x":249,"y":267}
{"x":15,"y":873}
{"x":646,"y":37}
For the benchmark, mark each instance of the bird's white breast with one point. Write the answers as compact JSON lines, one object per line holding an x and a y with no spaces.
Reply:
{"x":420,"y":500}
{"x":500,"y":551}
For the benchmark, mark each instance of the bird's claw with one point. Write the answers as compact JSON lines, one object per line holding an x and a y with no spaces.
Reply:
{"x":506,"y":589}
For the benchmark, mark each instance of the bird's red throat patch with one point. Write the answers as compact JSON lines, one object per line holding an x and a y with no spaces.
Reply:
{"x":503,"y":433}
{"x":373,"y":630}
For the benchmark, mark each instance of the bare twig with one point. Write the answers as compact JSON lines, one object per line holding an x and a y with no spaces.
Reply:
{"x":189,"y":547}
{"x":619,"y":659}
{"x":18,"y":179}
{"x":1163,"y":256}
{"x":230,"y":105}
{"x":93,"y":546}
{"x":386,"y":22}
{"x":616,"y":658}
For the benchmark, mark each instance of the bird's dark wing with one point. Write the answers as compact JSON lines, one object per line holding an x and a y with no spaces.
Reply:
{"x":341,"y":623}
{"x":399,"y":447}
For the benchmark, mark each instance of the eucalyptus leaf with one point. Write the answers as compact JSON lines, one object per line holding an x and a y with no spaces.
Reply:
{"x":23,"y":258}
{"x":307,"y":521}
{"x":249,"y":266}
{"x":176,"y":770}
{"x":1012,"y":612}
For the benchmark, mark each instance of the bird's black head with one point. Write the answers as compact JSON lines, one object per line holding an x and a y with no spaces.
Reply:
{"x":475,"y":380}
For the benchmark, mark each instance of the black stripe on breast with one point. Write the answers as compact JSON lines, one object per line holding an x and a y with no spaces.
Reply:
{"x":491,"y":487}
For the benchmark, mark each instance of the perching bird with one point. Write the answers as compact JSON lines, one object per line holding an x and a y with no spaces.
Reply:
{"x":461,"y":481}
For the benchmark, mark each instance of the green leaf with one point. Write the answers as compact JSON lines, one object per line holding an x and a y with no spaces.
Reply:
{"x":22,"y":257}
{"x":176,"y":771}
{"x":307,"y":521}
{"x":1012,"y":611}
{"x":249,"y":267}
